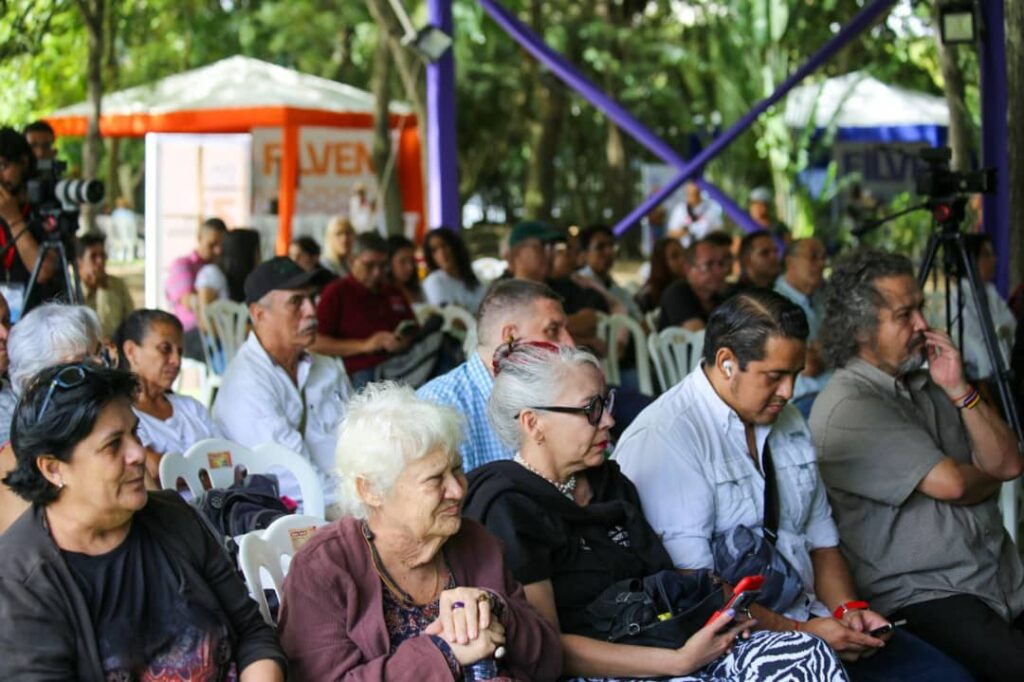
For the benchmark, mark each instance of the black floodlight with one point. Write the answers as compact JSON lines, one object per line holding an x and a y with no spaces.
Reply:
{"x":430,"y":42}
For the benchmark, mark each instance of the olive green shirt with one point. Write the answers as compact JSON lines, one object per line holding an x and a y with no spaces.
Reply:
{"x":112,"y":303}
{"x":877,"y":438}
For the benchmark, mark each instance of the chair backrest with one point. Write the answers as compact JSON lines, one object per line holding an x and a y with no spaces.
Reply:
{"x":268,"y":553}
{"x":219,"y":458}
{"x":679,"y":351}
{"x":619,"y":322}
{"x":458,"y":322}
{"x":226,"y":326}
{"x":422,"y":311}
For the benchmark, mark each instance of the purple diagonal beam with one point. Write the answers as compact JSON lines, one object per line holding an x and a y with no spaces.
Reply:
{"x":996,"y":207}
{"x":859,"y":23}
{"x":572,"y":77}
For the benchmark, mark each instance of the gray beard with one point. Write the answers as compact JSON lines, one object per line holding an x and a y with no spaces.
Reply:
{"x":911,"y":364}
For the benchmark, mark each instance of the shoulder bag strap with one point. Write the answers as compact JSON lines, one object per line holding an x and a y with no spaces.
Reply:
{"x":771,"y":495}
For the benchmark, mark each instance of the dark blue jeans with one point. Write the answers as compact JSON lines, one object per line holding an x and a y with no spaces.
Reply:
{"x":905,"y":658}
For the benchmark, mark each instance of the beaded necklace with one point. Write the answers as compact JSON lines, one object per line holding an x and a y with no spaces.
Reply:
{"x":568,"y":488}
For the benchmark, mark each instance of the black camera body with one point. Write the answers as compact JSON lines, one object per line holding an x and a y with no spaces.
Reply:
{"x":54,"y":201}
{"x":937,"y":180}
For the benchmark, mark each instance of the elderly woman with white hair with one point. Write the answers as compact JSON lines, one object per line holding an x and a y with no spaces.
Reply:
{"x":48,"y":335}
{"x":561,"y":495}
{"x":403,"y":587}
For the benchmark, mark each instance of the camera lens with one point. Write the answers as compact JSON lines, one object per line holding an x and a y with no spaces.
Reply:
{"x":74,"y":192}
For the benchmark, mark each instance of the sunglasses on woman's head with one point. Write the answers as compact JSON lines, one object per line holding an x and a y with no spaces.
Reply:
{"x":69,"y":377}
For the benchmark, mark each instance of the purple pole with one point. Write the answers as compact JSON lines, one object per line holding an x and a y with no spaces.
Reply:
{"x":859,"y":23}
{"x":994,"y":152}
{"x":572,"y":77}
{"x":442,"y":161}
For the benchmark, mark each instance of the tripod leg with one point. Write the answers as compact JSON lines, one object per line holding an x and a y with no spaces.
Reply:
{"x":33,"y":279}
{"x":995,"y":356}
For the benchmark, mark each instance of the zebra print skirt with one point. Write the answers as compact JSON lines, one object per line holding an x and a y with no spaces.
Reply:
{"x":766,"y":657}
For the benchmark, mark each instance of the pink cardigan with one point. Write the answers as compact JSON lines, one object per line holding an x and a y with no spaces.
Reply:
{"x":332,"y":615}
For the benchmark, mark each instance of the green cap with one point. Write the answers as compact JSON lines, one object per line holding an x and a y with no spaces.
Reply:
{"x":532,"y":229}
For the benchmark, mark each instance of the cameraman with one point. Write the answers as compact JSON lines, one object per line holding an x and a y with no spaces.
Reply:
{"x":16,"y":166}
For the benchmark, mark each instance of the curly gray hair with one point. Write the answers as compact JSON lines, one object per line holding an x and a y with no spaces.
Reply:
{"x":852,"y":301}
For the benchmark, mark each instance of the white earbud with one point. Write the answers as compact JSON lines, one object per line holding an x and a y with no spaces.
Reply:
{"x":727,"y":367}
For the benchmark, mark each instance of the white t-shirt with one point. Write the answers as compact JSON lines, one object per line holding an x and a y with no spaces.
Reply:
{"x":440,"y":289}
{"x":189,"y":422}
{"x":212,"y":277}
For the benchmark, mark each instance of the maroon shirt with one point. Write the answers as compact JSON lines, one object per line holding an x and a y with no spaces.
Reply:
{"x":348,"y":310}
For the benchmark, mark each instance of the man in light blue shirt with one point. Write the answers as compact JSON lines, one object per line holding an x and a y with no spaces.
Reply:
{"x":800,"y":283}
{"x":513,"y":309}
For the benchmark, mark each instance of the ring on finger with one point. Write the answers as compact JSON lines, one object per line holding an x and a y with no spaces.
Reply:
{"x":458,"y":605}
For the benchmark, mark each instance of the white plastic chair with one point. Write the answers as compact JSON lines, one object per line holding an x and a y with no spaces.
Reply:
{"x":675,"y":351}
{"x":458,"y":322}
{"x":613,"y":375}
{"x":422,"y":311}
{"x":220,"y":457}
{"x":651,"y":318}
{"x":268,"y":553}
{"x":226,"y":327}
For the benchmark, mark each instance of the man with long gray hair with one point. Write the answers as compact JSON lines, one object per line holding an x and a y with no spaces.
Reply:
{"x":913,"y":459}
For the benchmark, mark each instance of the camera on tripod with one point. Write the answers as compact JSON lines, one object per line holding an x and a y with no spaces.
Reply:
{"x":937,"y":180}
{"x":55,"y":201}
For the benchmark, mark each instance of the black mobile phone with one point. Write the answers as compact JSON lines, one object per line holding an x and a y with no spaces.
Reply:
{"x":887,"y":628}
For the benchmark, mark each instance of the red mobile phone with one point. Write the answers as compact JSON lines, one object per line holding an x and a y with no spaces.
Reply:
{"x":744,"y":594}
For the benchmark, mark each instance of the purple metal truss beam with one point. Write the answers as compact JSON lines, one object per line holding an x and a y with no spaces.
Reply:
{"x":572,"y":77}
{"x":442,"y":165}
{"x":994,"y":151}
{"x":859,"y":23}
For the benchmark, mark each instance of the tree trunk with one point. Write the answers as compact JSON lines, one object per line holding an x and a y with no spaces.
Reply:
{"x":1014,"y":10}
{"x":389,"y":199}
{"x":92,"y":16}
{"x":953,"y":85}
{"x":549,"y":103}
{"x":110,"y":80}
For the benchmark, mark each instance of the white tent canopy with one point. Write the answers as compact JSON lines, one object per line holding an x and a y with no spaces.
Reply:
{"x":234,"y":83}
{"x":857,"y":100}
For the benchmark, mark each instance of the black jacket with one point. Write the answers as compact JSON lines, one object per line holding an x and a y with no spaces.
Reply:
{"x":46,"y":632}
{"x":547,"y":536}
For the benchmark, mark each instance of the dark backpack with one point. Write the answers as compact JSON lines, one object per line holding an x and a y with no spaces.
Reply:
{"x":251,"y":504}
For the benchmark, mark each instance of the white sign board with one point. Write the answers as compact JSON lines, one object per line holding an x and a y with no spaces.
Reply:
{"x":190,"y":178}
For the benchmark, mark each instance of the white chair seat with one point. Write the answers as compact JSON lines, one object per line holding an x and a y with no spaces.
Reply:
{"x":675,"y":352}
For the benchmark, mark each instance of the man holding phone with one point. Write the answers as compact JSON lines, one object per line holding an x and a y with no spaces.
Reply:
{"x":914,"y":459}
{"x":703,"y":457}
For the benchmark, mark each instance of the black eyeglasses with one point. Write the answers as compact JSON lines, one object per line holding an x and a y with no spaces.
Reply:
{"x":593,"y":410}
{"x":69,"y":377}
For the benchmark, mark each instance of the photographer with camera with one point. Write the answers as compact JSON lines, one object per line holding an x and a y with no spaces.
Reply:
{"x":17,"y":165}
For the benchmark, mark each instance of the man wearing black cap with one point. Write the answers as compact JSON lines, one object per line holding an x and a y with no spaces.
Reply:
{"x":275,"y":390}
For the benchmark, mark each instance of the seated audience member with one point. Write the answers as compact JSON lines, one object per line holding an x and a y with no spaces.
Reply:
{"x":598,"y":245}
{"x":149,"y":345}
{"x":513,"y":309}
{"x":41,"y":137}
{"x":914,"y":459}
{"x":305,"y":252}
{"x":450,"y":278}
{"x":359,"y":315}
{"x":403,"y":273}
{"x":760,"y":207}
{"x":274,"y":391}
{"x":695,"y":218}
{"x":561,"y":494}
{"x":337,"y":246}
{"x":667,"y":265}
{"x":100,"y":579}
{"x":976,"y":361}
{"x":403,"y":587}
{"x":759,"y":261}
{"x":719,"y":435}
{"x":687,"y":302}
{"x":104,"y":293}
{"x":801,"y":284}
{"x":224,"y":279}
{"x":48,"y":335}
{"x":180,"y":286}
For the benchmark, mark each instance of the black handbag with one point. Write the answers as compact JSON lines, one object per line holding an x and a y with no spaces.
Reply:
{"x":662,"y":610}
